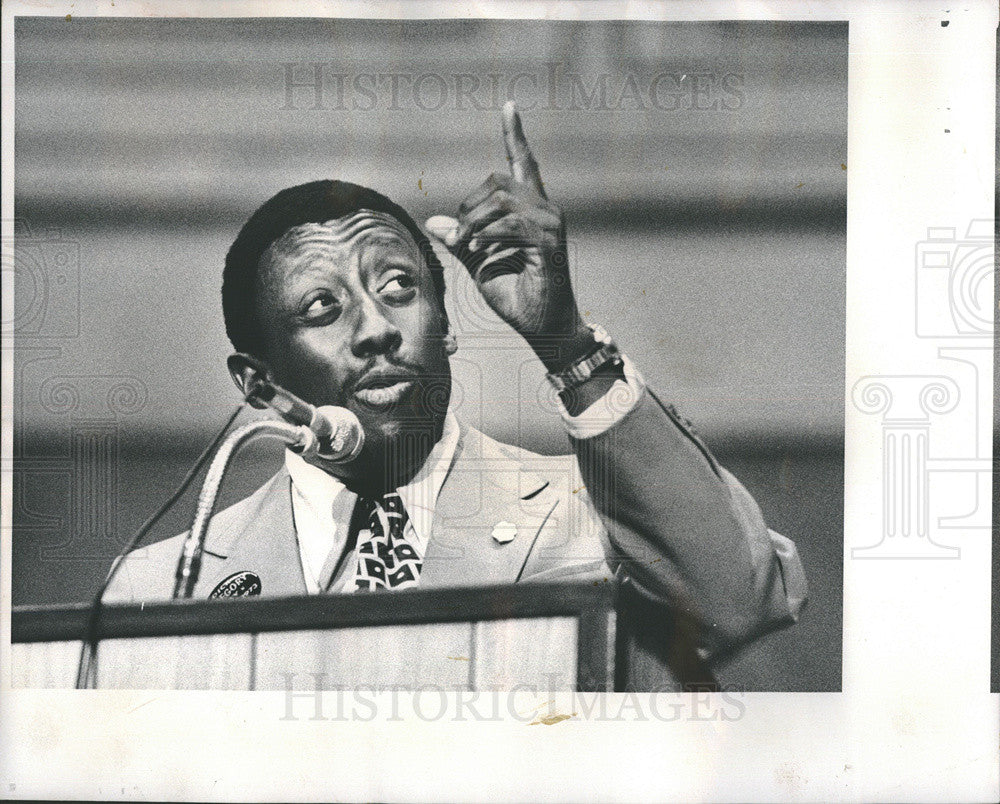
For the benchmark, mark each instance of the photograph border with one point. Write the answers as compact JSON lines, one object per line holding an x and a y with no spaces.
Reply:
{"x":915,"y":719}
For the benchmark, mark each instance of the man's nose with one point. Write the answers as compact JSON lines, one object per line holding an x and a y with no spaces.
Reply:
{"x":374,"y":332}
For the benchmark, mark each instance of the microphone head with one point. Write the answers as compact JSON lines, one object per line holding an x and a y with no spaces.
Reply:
{"x":346,"y":435}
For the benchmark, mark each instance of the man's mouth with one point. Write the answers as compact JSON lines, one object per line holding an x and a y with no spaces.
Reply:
{"x":383,"y":391}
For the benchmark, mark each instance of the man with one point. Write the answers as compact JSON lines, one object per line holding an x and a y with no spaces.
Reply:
{"x":333,"y":292}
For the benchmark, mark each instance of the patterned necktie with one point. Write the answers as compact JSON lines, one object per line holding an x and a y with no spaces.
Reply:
{"x":386,"y":560}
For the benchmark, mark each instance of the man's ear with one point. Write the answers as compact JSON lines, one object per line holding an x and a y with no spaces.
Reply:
{"x":246,"y":371}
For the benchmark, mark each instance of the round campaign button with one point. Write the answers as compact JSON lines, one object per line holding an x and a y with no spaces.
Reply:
{"x":239,"y":584}
{"x":504,"y":532}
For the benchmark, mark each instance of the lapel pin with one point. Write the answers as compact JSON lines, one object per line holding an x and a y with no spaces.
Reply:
{"x":504,"y":532}
{"x":239,"y":584}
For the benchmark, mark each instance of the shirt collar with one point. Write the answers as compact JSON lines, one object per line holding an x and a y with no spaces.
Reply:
{"x":419,"y":496}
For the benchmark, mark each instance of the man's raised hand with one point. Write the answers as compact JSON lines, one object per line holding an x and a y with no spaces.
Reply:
{"x":512,"y":240}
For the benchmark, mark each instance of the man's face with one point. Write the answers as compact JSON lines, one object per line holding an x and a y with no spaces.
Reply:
{"x":350,"y":316}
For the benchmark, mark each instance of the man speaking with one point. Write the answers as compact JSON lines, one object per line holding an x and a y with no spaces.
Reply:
{"x":332,"y":292}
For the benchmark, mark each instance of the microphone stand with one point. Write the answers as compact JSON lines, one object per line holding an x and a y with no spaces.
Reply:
{"x":298,"y":437}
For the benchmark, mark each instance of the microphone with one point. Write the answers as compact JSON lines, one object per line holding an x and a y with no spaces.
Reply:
{"x":339,"y":434}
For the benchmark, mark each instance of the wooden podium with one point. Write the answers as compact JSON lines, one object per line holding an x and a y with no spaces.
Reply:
{"x":549,"y":636}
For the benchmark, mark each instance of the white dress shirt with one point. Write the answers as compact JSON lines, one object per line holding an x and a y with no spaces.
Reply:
{"x":322,"y":506}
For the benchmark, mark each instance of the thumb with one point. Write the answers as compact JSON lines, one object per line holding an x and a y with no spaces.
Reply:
{"x":443,"y":228}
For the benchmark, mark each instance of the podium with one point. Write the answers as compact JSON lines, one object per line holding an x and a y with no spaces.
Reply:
{"x":551,"y":636}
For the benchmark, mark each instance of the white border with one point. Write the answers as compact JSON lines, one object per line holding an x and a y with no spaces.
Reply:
{"x":915,"y":720}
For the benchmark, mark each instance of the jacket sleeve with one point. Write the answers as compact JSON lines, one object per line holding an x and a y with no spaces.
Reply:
{"x":685,"y":532}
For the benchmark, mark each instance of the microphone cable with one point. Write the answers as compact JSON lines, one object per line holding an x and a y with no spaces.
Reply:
{"x":86,"y":674}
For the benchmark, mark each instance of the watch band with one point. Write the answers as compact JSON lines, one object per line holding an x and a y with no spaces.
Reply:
{"x":581,"y":370}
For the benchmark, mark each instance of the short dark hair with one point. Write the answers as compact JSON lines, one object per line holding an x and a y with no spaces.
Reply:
{"x":315,"y":202}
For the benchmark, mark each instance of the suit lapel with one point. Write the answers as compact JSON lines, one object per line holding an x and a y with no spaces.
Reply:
{"x":265,"y":545}
{"x":485,"y":487}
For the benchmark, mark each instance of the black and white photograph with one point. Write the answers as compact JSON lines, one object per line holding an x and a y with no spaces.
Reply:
{"x":367,"y":360}
{"x":540,"y":293}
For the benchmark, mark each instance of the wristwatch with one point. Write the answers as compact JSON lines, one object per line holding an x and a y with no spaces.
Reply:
{"x":579,"y":371}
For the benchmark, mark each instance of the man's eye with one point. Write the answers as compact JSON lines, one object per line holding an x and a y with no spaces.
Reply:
{"x":320,"y":306}
{"x":399,"y":286}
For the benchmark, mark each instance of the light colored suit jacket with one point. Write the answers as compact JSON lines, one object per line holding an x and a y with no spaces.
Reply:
{"x":643,"y":501}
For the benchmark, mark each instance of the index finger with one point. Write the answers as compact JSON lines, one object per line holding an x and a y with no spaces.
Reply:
{"x":522,"y":164}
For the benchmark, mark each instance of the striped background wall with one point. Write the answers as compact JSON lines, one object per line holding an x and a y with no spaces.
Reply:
{"x":701,"y":168}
